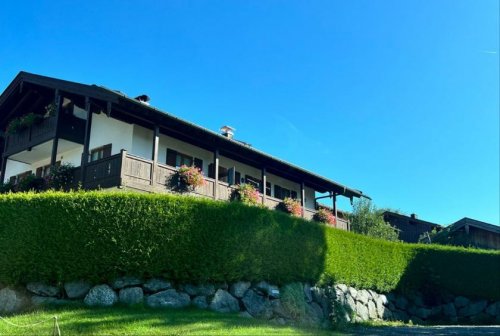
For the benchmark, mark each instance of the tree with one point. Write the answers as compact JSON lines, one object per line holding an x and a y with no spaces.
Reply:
{"x":368,"y":220}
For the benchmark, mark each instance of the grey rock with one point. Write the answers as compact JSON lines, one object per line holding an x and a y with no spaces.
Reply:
{"x":268,"y":289}
{"x":131,"y":295}
{"x":380,"y":307}
{"x":391,"y":306}
{"x":350,"y":304}
{"x":200,"y":302}
{"x":436,"y":311}
{"x":400,"y":315}
{"x":493,"y":309}
{"x":318,"y":294}
{"x":473,"y":308}
{"x":196,"y":290}
{"x":223,"y":302}
{"x":101,"y":295}
{"x":12,"y":301}
{"x":239,"y":288}
{"x":307,"y":293}
{"x":278,"y":310}
{"x":77,"y":289}
{"x":314,"y":314}
{"x":279,"y":321}
{"x":412,"y":310}
{"x":363,"y":296}
{"x":169,"y":298}
{"x":416,"y":320}
{"x":418,"y":301}
{"x":342,"y":287}
{"x":245,"y":314}
{"x":372,"y":310}
{"x":254,"y":303}
{"x":126,"y":281}
{"x":362,"y":311}
{"x":401,"y":302}
{"x":47,"y":301}
{"x":322,"y":297}
{"x":42,"y":289}
{"x":156,"y":284}
{"x":387,"y":315}
{"x":423,"y":313}
{"x":373,"y":294}
{"x":449,"y":310}
{"x":353,"y":292}
{"x":461,"y":301}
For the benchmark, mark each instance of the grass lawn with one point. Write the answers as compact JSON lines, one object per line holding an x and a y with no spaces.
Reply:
{"x":79,"y":320}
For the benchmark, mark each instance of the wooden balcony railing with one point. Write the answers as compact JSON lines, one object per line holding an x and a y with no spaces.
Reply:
{"x":31,"y":136}
{"x":141,"y":174}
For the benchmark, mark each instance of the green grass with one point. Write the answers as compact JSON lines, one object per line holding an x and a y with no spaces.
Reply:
{"x":79,"y":320}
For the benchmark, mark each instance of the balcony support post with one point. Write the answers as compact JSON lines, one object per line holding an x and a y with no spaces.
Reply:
{"x":303,"y":198}
{"x":216,"y":174}
{"x":156,"y":142}
{"x":334,"y":199}
{"x":86,"y":140}
{"x":53,"y":156}
{"x":264,"y":184}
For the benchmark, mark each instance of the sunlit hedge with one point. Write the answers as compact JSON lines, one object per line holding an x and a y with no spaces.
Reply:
{"x":57,"y":237}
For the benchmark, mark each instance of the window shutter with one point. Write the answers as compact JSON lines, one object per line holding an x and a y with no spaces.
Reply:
{"x":237,"y":177}
{"x":171,"y":157}
{"x":211,"y":170}
{"x":198,"y":163}
{"x":268,"y":188}
{"x":106,"y":151}
{"x":277,"y":191}
{"x":231,"y":175}
{"x":39,"y":172}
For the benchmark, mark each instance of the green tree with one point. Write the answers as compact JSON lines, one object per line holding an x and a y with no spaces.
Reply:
{"x":368,"y":220}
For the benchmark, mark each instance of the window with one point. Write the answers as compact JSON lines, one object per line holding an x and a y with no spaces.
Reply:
{"x":282,"y":193}
{"x":176,"y":159}
{"x":45,"y":170}
{"x":100,"y":152}
{"x":223,"y":172}
{"x":253,"y":181}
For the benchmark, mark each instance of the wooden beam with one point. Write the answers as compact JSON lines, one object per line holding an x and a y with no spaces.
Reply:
{"x":86,"y":139}
{"x":156,"y":142}
{"x":264,"y":184}
{"x":53,"y":156}
{"x":216,"y":174}
{"x":334,"y":199}
{"x":303,"y":198}
{"x":4,"y":162}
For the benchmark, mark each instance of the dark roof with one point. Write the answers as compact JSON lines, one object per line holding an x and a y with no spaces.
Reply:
{"x":165,"y":119}
{"x":416,"y":220}
{"x":474,"y":223}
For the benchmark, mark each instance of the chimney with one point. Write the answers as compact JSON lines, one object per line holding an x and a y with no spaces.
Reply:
{"x":227,"y":131}
{"x":414,"y":216}
{"x":143,"y":99}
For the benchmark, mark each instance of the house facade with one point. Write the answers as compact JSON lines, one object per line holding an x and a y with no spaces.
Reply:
{"x":116,"y":141}
{"x":409,"y":228}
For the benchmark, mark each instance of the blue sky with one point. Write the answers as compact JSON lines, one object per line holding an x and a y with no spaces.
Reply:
{"x":399,"y":99}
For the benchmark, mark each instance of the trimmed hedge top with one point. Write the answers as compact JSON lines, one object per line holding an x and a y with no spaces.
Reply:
{"x":97,"y":236}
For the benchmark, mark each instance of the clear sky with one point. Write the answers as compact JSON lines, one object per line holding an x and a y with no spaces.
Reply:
{"x":399,"y":99}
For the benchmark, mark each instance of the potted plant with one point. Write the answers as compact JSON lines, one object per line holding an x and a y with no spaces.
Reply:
{"x":187,"y":179}
{"x":292,"y":206}
{"x":325,"y":216}
{"x":246,"y":194}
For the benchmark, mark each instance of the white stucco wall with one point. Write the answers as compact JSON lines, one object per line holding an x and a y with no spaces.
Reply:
{"x":106,"y":130}
{"x":73,"y":157}
{"x":142,"y":142}
{"x":185,"y":148}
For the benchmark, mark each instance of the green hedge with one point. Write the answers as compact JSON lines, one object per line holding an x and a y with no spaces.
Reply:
{"x":98,"y":235}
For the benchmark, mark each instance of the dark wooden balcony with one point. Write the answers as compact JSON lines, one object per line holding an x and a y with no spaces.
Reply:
{"x":70,"y":128}
{"x":132,"y":172}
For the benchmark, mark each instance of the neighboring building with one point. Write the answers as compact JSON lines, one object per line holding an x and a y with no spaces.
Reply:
{"x":410,"y":227}
{"x":471,"y":232}
{"x":116,"y":141}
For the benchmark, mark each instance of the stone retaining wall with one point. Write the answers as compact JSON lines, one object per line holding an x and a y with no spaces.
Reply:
{"x":292,"y":304}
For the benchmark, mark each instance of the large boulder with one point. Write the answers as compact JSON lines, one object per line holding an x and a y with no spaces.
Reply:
{"x":131,"y":295}
{"x":200,"y":302}
{"x":255,"y":304}
{"x":126,"y":281}
{"x":223,"y":302}
{"x":449,"y":310}
{"x":239,"y":288}
{"x":168,"y":299}
{"x":307,"y":293}
{"x":461,"y":301}
{"x":101,"y":295}
{"x":12,"y":301}
{"x":372,"y":310}
{"x":493,"y":309}
{"x":76,"y":289}
{"x":42,"y":289}
{"x":156,"y":284}
{"x":401,"y":302}
{"x":361,"y":312}
{"x":472,"y":308}
{"x":196,"y":290}
{"x":363,"y":296}
{"x":423,"y":313}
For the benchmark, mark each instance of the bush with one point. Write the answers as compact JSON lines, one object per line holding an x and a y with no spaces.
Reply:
{"x":246,"y":194}
{"x":31,"y":183}
{"x":368,"y":220}
{"x":324,"y":216}
{"x":186,"y":179}
{"x":6,"y":187}
{"x":56,"y":236}
{"x":61,"y":177}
